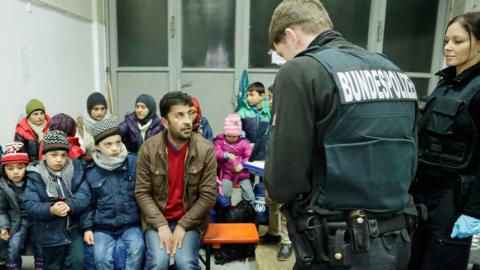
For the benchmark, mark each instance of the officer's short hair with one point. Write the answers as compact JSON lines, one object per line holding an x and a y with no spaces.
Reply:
{"x":310,"y":15}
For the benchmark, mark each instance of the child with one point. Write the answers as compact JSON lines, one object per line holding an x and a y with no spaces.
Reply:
{"x":31,"y":129}
{"x":55,"y":197}
{"x":66,"y":124}
{"x":255,"y":116}
{"x":200,"y":123}
{"x":114,"y":214}
{"x":15,"y":224}
{"x":96,"y":110}
{"x":141,"y":124}
{"x":277,"y":223}
{"x":231,"y":151}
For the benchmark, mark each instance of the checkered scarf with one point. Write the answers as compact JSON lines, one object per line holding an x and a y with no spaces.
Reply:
{"x":50,"y":177}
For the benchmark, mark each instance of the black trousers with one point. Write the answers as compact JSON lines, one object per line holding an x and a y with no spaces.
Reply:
{"x":389,"y":251}
{"x":66,"y":256}
{"x":432,"y":247}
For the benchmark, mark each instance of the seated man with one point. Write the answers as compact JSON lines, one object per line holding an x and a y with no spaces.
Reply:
{"x":176,"y":187}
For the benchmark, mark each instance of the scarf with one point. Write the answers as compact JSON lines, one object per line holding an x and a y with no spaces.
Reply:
{"x":143,"y":129}
{"x":89,"y":121}
{"x":110,"y":163}
{"x":38,"y":129}
{"x":50,"y":177}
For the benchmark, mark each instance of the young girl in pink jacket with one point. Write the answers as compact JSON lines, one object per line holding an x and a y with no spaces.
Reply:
{"x":232,"y":150}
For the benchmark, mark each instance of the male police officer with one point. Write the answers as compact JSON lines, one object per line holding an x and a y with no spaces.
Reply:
{"x":343,"y":149}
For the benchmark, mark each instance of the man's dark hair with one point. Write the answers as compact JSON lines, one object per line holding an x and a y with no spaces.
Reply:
{"x":173,"y":98}
{"x":257,"y":87}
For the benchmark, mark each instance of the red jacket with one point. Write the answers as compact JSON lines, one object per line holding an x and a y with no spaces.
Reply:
{"x":25,"y":134}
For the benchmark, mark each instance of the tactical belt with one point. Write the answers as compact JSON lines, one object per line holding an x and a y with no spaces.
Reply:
{"x":381,"y":226}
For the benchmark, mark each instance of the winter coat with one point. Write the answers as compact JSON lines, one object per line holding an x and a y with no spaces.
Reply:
{"x":241,"y":149}
{"x":52,"y":230}
{"x":10,"y":212}
{"x":206,"y":129}
{"x":25,"y":134}
{"x":130,"y":132}
{"x":200,"y":182}
{"x":113,"y":208}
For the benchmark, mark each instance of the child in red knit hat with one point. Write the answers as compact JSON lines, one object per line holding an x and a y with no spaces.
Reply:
{"x":15,"y":223}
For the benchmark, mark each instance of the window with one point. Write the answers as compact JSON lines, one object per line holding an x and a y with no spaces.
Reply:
{"x":350,"y":20}
{"x":208,"y":31}
{"x":142,"y":33}
{"x":260,"y":15}
{"x":409,"y":42}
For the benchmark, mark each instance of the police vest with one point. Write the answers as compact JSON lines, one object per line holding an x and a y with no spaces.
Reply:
{"x":447,"y":133}
{"x":370,"y":147}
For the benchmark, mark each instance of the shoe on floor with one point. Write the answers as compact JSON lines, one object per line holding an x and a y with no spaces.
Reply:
{"x":284,"y":252}
{"x":269,"y":239}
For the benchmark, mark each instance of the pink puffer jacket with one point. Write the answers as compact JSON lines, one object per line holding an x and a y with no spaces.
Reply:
{"x":241,"y":149}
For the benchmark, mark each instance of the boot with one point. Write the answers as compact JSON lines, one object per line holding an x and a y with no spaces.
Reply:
{"x":39,"y":261}
{"x":2,"y":265}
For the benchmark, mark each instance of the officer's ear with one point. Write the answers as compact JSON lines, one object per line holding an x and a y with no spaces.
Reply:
{"x":290,"y":34}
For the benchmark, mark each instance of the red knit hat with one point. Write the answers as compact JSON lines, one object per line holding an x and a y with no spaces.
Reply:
{"x":14,"y":154}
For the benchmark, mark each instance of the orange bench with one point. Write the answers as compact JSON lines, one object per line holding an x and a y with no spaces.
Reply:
{"x":228,"y":233}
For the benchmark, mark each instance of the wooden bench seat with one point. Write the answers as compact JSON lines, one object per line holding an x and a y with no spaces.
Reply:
{"x":228,"y":233}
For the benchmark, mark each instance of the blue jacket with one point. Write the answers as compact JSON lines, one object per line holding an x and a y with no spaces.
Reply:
{"x":114,"y":207}
{"x":51,"y":230}
{"x":207,"y":132}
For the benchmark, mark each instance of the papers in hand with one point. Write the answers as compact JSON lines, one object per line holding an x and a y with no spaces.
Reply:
{"x":255,"y":167}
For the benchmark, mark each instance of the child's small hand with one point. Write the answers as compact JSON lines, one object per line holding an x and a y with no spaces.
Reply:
{"x":88,"y":237}
{"x":59,"y":209}
{"x":4,"y":235}
{"x":231,"y":157}
{"x":238,"y":168}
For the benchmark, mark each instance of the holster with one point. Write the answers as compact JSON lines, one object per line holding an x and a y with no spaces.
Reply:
{"x":359,"y":231}
{"x":304,"y":251}
{"x":338,"y":250}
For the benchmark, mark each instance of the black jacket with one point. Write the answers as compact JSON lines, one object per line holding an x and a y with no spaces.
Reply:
{"x":304,"y":97}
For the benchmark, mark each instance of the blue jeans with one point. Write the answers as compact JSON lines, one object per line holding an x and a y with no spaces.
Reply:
{"x":17,"y":242}
{"x":104,"y":247}
{"x":119,"y":256}
{"x":185,"y":257}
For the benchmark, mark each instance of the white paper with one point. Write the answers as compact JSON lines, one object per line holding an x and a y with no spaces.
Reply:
{"x":277,"y":59}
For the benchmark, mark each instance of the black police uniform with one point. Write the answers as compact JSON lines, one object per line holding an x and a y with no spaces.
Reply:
{"x":447,"y":176}
{"x":343,"y":153}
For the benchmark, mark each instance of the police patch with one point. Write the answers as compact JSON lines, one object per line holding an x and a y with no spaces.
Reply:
{"x":370,"y":85}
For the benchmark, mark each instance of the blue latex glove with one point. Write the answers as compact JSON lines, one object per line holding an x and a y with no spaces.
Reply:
{"x":465,"y":226}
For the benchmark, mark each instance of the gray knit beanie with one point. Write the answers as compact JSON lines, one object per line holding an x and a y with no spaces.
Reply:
{"x":104,"y":129}
{"x":54,"y":140}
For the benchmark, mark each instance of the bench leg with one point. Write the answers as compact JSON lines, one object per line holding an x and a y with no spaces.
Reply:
{"x":208,"y":254}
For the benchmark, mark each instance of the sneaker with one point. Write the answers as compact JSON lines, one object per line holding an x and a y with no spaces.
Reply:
{"x":269,"y":239}
{"x":284,"y":252}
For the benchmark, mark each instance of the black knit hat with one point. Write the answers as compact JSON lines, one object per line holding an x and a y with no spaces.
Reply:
{"x":94,"y":99}
{"x":104,"y":129}
{"x":54,"y":140}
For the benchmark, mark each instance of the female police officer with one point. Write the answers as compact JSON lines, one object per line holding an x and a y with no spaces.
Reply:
{"x":448,"y":164}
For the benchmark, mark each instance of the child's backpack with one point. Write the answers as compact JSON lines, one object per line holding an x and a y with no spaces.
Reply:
{"x":242,"y":213}
{"x":261,"y":208}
